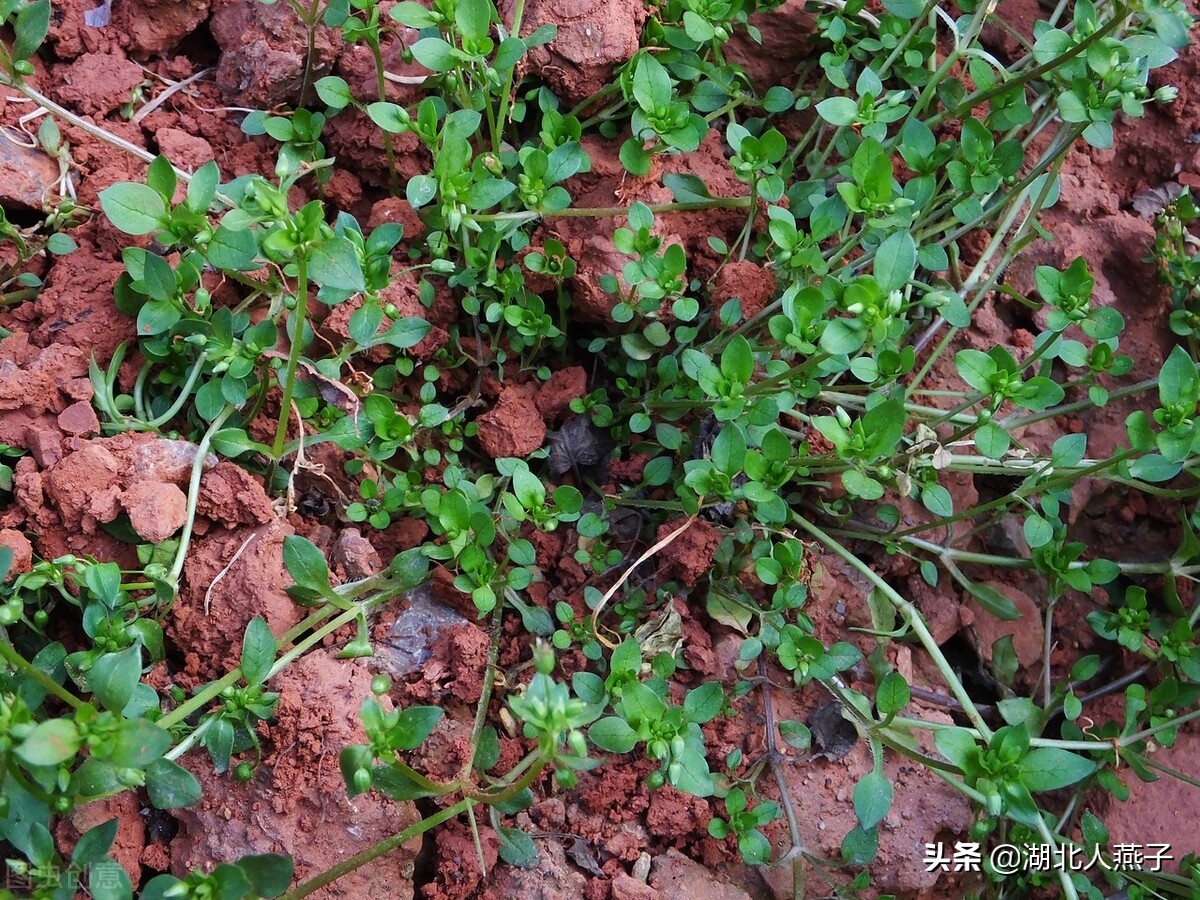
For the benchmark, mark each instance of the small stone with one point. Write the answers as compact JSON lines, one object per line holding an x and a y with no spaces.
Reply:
{"x":22,"y":551}
{"x":97,"y":84}
{"x":354,"y":555}
{"x":44,"y":444}
{"x":554,"y":398}
{"x":27,"y":177}
{"x":753,"y":285}
{"x":1027,"y":632}
{"x":625,"y":887}
{"x":679,"y":878}
{"x":187,"y":151}
{"x":156,"y":510}
{"x":513,"y":427}
{"x":79,"y":418}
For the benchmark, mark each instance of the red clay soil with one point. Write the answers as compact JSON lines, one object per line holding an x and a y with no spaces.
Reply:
{"x":608,"y":837}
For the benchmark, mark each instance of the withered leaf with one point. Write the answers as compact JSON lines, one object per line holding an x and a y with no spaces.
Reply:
{"x":833,"y":734}
{"x":579,"y":443}
{"x":1153,"y":200}
{"x":332,"y":392}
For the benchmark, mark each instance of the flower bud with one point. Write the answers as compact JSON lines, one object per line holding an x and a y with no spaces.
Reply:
{"x":543,"y":657}
{"x":362,"y":780}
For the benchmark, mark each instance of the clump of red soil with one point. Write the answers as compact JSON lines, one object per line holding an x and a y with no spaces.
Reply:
{"x":265,"y":59}
{"x":21,"y":549}
{"x":229,"y":578}
{"x":96,"y":480}
{"x":554,"y":398}
{"x":689,"y":557}
{"x":297,"y":802}
{"x":513,"y":427}
{"x":749,"y":282}
{"x":44,"y":394}
{"x":594,"y":37}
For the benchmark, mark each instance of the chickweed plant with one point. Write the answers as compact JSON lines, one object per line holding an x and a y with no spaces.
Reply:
{"x":807,"y":427}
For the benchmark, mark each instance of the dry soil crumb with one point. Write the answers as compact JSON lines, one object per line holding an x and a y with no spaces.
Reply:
{"x":749,"y":282}
{"x":513,"y":427}
{"x":690,"y":555}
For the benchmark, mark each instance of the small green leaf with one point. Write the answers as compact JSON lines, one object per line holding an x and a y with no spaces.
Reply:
{"x":202,"y":187}
{"x":1051,"y":768}
{"x":895,"y":261}
{"x":232,"y":250}
{"x":613,"y":735}
{"x":334,"y":92}
{"x":269,"y":873}
{"x":334,"y":264}
{"x":993,"y":601}
{"x":420,"y":190}
{"x":414,"y":725}
{"x":171,"y":786}
{"x":992,"y":440}
{"x":133,"y":208}
{"x":634,"y":157}
{"x":160,"y":176}
{"x":517,"y":848}
{"x":435,"y":54}
{"x":61,"y":244}
{"x":107,"y":880}
{"x":737,"y":360}
{"x":976,"y":368}
{"x":402,"y":334}
{"x":391,"y":117}
{"x":755,"y":848}
{"x":694,"y":776}
{"x":218,"y":740}
{"x":258,"y":651}
{"x":796,"y":735}
{"x":305,"y":564}
{"x":31,"y":27}
{"x":114,"y":676}
{"x":838,"y":110}
{"x":703,"y":704}
{"x":50,"y":743}
{"x":892,"y":695}
{"x":138,"y":743}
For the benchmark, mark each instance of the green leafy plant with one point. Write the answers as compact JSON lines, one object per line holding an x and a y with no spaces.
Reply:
{"x":802,"y":425}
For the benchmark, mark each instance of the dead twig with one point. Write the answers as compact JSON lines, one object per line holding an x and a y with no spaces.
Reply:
{"x":162,"y":98}
{"x":229,"y":565}
{"x":775,"y":757}
{"x":620,"y":581}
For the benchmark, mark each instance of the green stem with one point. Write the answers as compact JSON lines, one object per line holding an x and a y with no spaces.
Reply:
{"x":381,"y":90}
{"x":10,"y":655}
{"x":1166,"y":567}
{"x":299,"y":316}
{"x":912,"y":616}
{"x":1064,"y":876}
{"x":601,"y":212}
{"x":12,"y":298}
{"x":348,"y":591}
{"x":974,"y":100}
{"x":329,"y":876}
{"x":184,"y":393}
{"x":502,"y":113}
